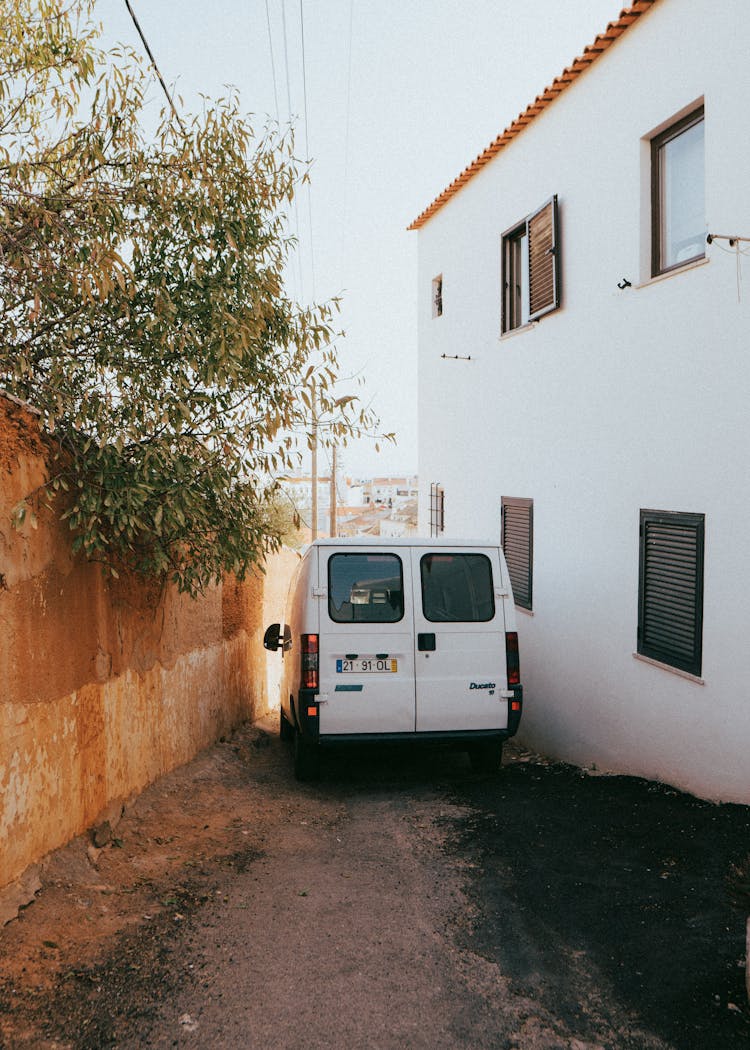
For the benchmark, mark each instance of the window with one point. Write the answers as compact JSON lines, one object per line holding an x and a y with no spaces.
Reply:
{"x":670,"y":589}
{"x":531,"y":267}
{"x":437,"y":509}
{"x":515,"y":268}
{"x":365,"y":588}
{"x":678,"y":211}
{"x":457,"y":588}
{"x":437,"y":297}
{"x":517,"y":540}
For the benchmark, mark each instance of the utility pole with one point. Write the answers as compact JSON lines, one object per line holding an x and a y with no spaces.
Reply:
{"x":333,"y":493}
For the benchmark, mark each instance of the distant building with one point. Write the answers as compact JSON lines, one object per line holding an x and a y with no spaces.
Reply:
{"x":401,"y":521}
{"x":300,"y":489}
{"x":362,"y":505}
{"x":391,"y":492}
{"x":360,"y":521}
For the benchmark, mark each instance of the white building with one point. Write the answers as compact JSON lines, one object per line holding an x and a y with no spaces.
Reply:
{"x":401,"y":520}
{"x":300,"y":489}
{"x":584,"y":363}
{"x":391,"y":492}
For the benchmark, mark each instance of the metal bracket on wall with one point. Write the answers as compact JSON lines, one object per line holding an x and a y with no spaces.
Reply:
{"x":711,"y":237}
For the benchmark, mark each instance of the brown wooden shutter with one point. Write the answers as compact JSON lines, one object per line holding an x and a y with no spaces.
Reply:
{"x":670,"y":592}
{"x":518,"y":546}
{"x":544,"y":260}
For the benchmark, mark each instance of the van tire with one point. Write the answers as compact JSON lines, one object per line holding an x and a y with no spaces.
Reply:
{"x":286,"y":730}
{"x":306,"y":758}
{"x":486,"y":756}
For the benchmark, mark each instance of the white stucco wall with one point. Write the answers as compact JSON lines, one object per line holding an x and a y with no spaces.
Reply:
{"x":620,"y":400}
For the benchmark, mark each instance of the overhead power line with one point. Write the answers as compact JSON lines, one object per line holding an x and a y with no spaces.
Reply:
{"x":273,"y":64}
{"x":156,"y":68}
{"x":286,"y":60}
{"x":345,"y":192}
{"x":298,"y":252}
{"x":307,"y":145}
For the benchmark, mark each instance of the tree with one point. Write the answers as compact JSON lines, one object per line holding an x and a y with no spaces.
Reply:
{"x":284,"y":520}
{"x":143,"y":309}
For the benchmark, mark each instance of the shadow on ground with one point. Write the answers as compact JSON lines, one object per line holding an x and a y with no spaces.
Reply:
{"x":617,"y":873}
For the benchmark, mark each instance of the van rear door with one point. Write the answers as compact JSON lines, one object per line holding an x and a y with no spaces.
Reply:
{"x":366,"y":655}
{"x":459,"y":614}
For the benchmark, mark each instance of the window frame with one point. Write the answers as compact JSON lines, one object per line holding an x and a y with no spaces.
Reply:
{"x":658,"y":142}
{"x":515,"y":255}
{"x":437,"y":296}
{"x":679,"y":589}
{"x":519,"y":557}
{"x":542,"y":243}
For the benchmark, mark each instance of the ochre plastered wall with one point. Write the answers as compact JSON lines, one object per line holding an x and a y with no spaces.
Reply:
{"x":106,"y":684}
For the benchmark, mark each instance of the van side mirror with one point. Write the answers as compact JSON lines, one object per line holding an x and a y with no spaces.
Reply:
{"x":273,"y":639}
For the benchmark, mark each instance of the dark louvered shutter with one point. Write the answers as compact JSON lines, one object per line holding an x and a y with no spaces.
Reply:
{"x":544,"y":260}
{"x":518,"y":546}
{"x":670,"y":591}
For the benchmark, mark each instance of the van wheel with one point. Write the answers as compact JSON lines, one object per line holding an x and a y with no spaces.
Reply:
{"x":486,"y":756}
{"x":306,"y":758}
{"x":286,"y":731}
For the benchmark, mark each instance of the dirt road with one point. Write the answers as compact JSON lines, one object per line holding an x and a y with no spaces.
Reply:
{"x":402,"y":902}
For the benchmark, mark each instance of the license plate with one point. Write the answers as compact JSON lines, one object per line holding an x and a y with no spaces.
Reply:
{"x":367,"y":665}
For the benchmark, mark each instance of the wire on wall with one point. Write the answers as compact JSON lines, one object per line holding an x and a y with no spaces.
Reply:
{"x":733,"y":249}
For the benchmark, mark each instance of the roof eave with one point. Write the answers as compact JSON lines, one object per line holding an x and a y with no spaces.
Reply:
{"x":591,"y":54}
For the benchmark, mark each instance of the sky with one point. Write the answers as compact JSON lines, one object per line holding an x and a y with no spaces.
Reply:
{"x":390,"y":100}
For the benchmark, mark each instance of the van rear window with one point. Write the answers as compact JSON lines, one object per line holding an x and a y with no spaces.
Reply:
{"x":457,"y":588}
{"x":365,"y":588}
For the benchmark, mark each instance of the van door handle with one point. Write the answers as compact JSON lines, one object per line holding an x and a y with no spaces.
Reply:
{"x":426,"y":643}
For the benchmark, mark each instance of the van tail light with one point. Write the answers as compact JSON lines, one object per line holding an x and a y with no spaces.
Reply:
{"x":511,"y":658}
{"x":310,"y":661}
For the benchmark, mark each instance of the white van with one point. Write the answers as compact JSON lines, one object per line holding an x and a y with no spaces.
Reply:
{"x":399,"y":639}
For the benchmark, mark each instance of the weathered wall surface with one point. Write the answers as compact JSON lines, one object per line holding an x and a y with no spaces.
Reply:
{"x":107,"y":684}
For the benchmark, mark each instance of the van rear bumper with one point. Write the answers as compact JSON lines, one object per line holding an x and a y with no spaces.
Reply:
{"x":308,"y":721}
{"x":462,"y":737}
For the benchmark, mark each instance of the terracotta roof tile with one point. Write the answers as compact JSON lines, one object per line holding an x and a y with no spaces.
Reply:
{"x":591,"y":53}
